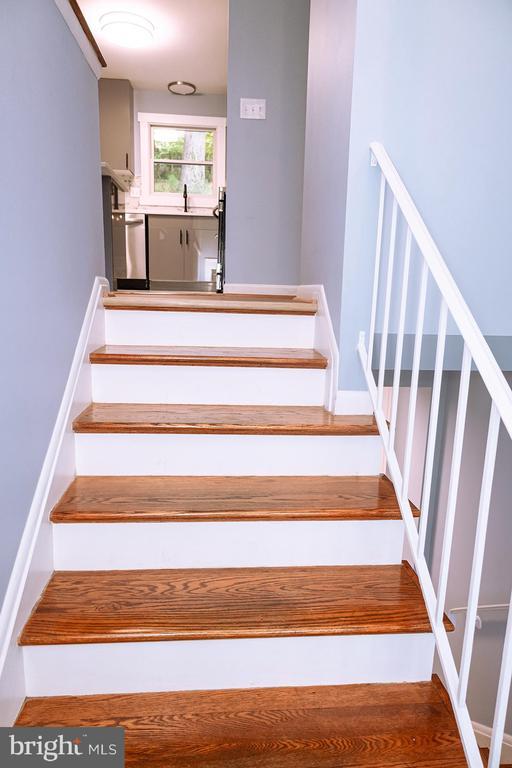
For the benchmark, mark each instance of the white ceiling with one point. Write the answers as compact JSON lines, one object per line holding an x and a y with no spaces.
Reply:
{"x":190,"y":43}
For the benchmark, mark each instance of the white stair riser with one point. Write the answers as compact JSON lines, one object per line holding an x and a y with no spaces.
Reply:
{"x":208,"y":329}
{"x":76,"y":670}
{"x":207,"y":454}
{"x":120,"y":546}
{"x":207,"y":385}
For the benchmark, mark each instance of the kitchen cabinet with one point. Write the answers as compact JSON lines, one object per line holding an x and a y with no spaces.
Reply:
{"x":116,"y":123}
{"x":182,"y":252}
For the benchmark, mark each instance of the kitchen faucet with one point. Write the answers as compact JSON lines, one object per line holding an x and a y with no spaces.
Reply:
{"x":185,"y":197}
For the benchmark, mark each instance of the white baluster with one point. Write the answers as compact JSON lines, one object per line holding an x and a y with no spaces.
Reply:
{"x":500,"y":711}
{"x":413,"y":392}
{"x":478,"y":555}
{"x":378,"y":253}
{"x":432,"y":427}
{"x":453,"y":489}
{"x":387,"y":302}
{"x":400,"y":338}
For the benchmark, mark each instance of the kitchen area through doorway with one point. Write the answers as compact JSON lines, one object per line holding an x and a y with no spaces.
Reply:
{"x":162,"y":100}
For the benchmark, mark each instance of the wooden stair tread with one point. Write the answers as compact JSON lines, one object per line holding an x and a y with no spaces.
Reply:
{"x":210,"y":302}
{"x":220,"y":419}
{"x":352,"y":726}
{"x":167,"y":499}
{"x":216,"y":603}
{"x":219,"y":356}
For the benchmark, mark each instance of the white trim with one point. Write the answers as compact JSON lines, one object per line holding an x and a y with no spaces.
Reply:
{"x":325,"y":341}
{"x":80,"y":36}
{"x":353,"y":402}
{"x":149,"y":119}
{"x":197,"y":121}
{"x":34,"y":561}
{"x":483,"y":737}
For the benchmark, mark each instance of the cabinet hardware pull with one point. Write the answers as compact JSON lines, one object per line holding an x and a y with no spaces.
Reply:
{"x":187,"y":236}
{"x":181,"y":237}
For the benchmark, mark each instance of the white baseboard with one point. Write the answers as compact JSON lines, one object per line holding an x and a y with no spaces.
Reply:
{"x":34,"y":561}
{"x":483,"y":736}
{"x":324,"y":341}
{"x":353,"y":402}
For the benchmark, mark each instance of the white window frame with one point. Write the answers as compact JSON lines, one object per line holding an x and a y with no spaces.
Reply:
{"x":149,"y":119}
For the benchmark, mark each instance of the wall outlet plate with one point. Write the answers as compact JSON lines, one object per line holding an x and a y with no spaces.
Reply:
{"x":253,"y":109}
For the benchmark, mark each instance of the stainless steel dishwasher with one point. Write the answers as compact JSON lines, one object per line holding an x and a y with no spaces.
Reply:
{"x":129,"y":251}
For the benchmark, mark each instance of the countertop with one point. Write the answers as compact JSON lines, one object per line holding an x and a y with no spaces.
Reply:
{"x":164,"y":210}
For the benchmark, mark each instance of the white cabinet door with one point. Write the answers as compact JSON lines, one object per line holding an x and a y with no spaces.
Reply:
{"x":201,"y":260}
{"x":166,"y":248}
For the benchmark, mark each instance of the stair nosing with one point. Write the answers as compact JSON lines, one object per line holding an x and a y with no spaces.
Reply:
{"x":210,"y":358}
{"x":253,"y":624}
{"x":253,"y":306}
{"x":196,"y":499}
{"x":143,"y":421}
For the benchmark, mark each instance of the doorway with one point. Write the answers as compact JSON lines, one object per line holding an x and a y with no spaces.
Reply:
{"x":163,"y":121}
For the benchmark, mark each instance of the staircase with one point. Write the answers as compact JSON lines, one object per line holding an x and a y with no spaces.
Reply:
{"x":229,"y":581}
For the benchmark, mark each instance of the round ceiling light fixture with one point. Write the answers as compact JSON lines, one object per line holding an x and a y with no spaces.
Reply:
{"x":182,"y":88}
{"x":127,"y":29}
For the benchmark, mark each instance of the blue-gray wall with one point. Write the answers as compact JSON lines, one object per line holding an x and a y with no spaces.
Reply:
{"x":268,"y":55}
{"x":329,"y":98}
{"x":431,"y":81}
{"x":51,"y":241}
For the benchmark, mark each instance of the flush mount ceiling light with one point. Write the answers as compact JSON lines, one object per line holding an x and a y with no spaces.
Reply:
{"x":127,"y":29}
{"x":182,"y":88}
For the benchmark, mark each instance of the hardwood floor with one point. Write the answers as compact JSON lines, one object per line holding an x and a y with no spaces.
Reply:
{"x":215,"y":603}
{"x":210,"y":302}
{"x":220,"y":419}
{"x":167,"y":499}
{"x":250,"y":357}
{"x":372,"y":726}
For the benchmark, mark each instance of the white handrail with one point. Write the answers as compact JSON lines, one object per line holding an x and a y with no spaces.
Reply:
{"x":484,"y":359}
{"x":476,"y":353}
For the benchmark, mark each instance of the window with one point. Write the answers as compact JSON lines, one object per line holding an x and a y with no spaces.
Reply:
{"x":178,"y":150}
